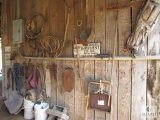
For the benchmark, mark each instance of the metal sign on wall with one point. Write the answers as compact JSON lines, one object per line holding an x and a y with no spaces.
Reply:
{"x":90,"y":50}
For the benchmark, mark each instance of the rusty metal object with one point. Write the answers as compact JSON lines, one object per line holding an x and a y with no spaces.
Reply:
{"x":68,"y":79}
{"x":100,"y":99}
{"x":80,"y":41}
{"x":96,"y":101}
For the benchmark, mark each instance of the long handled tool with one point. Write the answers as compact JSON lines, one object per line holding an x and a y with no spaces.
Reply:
{"x":114,"y":50}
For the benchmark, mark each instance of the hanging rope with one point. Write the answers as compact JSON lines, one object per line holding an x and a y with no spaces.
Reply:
{"x":51,"y":44}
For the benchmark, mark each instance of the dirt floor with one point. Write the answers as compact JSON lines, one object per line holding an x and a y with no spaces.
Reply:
{"x":5,"y":115}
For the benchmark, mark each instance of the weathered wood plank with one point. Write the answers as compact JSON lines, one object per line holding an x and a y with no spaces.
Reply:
{"x":45,"y":5}
{"x":70,"y":31}
{"x":79,"y":15}
{"x":139,"y":76}
{"x":90,"y":16}
{"x":58,"y":30}
{"x":124,"y":90}
{"x":52,"y":31}
{"x":153,"y":69}
{"x":5,"y":40}
{"x":151,"y":79}
{"x":110,"y":33}
{"x":89,"y":65}
{"x":135,"y":12}
{"x":61,"y":21}
{"x":60,"y":90}
{"x":53,"y":17}
{"x":70,"y":96}
{"x":89,"y":75}
{"x":99,"y":115}
{"x":114,"y":96}
{"x":138,"y":79}
{"x":54,"y":83}
{"x":100,"y":37}
{"x":123,"y":29}
{"x":25,"y":14}
{"x":79,"y":95}
{"x":125,"y":5}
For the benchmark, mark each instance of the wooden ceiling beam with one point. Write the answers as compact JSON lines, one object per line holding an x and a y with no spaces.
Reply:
{"x":120,"y":6}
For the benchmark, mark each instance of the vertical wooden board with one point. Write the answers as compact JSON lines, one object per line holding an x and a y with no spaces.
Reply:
{"x":54,"y":85}
{"x":151,"y":80}
{"x":100,"y":23}
{"x":79,"y":15}
{"x":61,"y":21}
{"x":157,"y":87}
{"x":124,"y":29}
{"x":114,"y":93}
{"x":12,"y":16}
{"x":89,"y":65}
{"x":36,"y":7}
{"x":5,"y":22}
{"x":90,"y":16}
{"x":52,"y":31}
{"x":3,"y":61}
{"x":70,"y":96}
{"x":108,"y":75}
{"x":89,"y":75}
{"x":139,"y":74}
{"x":79,"y":95}
{"x":153,"y":68}
{"x":99,"y":67}
{"x":26,"y":6}
{"x":135,"y":12}
{"x":60,"y":90}
{"x":100,"y":37}
{"x":124,"y":90}
{"x":25,"y":14}
{"x":70,"y":33}
{"x":45,"y":12}
{"x":9,"y":19}
{"x":111,"y":17}
{"x":53,"y":19}
{"x":154,"y":40}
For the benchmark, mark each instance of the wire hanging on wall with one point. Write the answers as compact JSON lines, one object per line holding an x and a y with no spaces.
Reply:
{"x":52,"y":45}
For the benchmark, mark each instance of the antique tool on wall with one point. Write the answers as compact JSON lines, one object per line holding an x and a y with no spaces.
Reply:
{"x":99,"y":99}
{"x":68,"y":79}
{"x":114,"y":50}
{"x":70,"y":5}
{"x":79,"y":70}
{"x":146,"y":22}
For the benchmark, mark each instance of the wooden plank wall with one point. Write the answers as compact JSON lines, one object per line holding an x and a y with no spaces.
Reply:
{"x":129,"y":91}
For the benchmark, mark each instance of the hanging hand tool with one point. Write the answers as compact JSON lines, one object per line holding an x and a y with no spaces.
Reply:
{"x":81,"y":80}
{"x":111,"y":77}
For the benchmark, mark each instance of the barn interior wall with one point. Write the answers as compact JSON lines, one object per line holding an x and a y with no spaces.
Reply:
{"x":129,"y":85}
